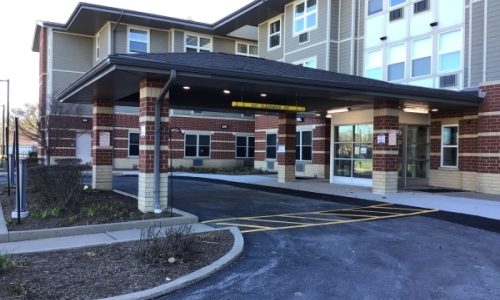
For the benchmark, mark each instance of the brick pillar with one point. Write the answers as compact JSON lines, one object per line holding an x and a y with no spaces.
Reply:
{"x":286,"y":136}
{"x":149,"y":90}
{"x":102,"y":147}
{"x":488,"y":160}
{"x":385,"y":157}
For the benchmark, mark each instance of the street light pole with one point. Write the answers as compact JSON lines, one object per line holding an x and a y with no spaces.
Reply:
{"x":6,"y":132}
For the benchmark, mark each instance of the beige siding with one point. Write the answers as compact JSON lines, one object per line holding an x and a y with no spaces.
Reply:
{"x":104,"y":48}
{"x":275,"y":54}
{"x":121,"y":39}
{"x":224,"y":45}
{"x":62,"y":80}
{"x":178,"y":41}
{"x":72,"y":52}
{"x":159,"y":41}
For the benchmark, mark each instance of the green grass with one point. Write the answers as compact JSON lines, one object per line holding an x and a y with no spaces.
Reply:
{"x":4,"y":261}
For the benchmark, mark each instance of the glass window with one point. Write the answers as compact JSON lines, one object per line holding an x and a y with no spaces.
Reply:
{"x":133,"y":144}
{"x":373,"y":67}
{"x":449,"y":146}
{"x":396,"y":57}
{"x":374,"y":6}
{"x":396,"y":2}
{"x":309,"y":64}
{"x":197,"y":145}
{"x":305,"y":16}
{"x":138,"y":41}
{"x":274,"y":34}
{"x":353,"y":151}
{"x":421,"y":57}
{"x":303,"y":148}
{"x":198,"y":44}
{"x":245,"y":146}
{"x":450,"y":45}
{"x":246,"y":49}
{"x":271,"y":143}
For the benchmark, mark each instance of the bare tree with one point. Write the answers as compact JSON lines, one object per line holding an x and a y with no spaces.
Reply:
{"x":53,"y":129}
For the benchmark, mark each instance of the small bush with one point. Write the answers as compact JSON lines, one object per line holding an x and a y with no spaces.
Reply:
{"x":34,"y":162}
{"x":159,"y":244}
{"x":4,"y":261}
{"x":59,"y":185}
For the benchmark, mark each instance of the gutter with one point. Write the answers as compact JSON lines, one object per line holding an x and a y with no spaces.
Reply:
{"x":159,"y":99}
{"x":113,"y":46}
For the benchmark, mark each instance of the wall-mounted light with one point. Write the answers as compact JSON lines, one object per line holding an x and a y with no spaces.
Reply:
{"x":339,"y":110}
{"x":224,"y":126}
{"x":300,"y":119}
{"x":416,"y":110}
{"x":186,"y":87}
{"x":227,"y":92}
{"x":434,"y":110}
{"x":433,"y":24}
{"x":85,"y":120}
{"x":383,"y":38}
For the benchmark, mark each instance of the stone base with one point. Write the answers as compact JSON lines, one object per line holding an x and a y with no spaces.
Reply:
{"x":24,"y":214}
{"x":286,"y":174}
{"x":146,"y":192}
{"x":488,"y":183}
{"x":385,"y":182}
{"x":102,"y":177}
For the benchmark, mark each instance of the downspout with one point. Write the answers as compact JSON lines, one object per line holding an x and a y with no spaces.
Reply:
{"x":114,"y":34}
{"x":161,"y":96}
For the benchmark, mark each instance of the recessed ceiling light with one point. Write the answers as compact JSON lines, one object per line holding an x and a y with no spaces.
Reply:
{"x":434,"y":109}
{"x":186,"y":87}
{"x":227,"y":92}
{"x":263,"y":95}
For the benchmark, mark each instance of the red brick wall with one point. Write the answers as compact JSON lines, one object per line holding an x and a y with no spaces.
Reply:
{"x":489,"y":124}
{"x":385,"y":162}
{"x":287,"y":136}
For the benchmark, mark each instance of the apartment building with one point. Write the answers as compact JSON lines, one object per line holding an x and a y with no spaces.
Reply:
{"x":360,"y":137}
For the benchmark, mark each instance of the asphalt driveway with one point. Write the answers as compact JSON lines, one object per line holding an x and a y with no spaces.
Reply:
{"x":413,"y":257}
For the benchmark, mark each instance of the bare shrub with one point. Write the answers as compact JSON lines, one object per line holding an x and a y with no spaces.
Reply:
{"x":68,"y":161}
{"x":60,"y":185}
{"x":159,"y":244}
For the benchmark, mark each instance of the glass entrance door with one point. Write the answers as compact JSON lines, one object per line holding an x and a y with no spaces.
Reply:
{"x":413,"y":162}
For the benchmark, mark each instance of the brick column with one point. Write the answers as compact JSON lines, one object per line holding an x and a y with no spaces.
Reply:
{"x":488,"y":160}
{"x":385,"y":157}
{"x":102,"y":148}
{"x":149,"y":90}
{"x":286,"y":136}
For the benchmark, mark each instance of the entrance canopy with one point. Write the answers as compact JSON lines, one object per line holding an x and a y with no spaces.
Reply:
{"x":212,"y":81}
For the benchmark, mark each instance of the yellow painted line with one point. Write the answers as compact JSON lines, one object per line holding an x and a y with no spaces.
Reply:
{"x":293,"y":214}
{"x":349,"y":215}
{"x":343,"y":221}
{"x":377,"y":212}
{"x":309,"y":218}
{"x":409,"y":209}
{"x":246,"y":225}
{"x":275,"y":221}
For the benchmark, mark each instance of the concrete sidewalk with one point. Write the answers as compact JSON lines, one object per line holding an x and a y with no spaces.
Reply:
{"x":470,"y":203}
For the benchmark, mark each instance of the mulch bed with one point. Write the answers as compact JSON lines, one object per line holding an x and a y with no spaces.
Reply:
{"x":92,"y":208}
{"x":104,"y":271}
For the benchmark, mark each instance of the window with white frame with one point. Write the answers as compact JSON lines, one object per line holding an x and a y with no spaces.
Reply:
{"x":375,"y":6}
{"x":197,"y":145}
{"x":393,"y":3}
{"x":274,"y":34}
{"x":133,"y":144}
{"x":245,"y":146}
{"x":138,"y":40}
{"x":449,"y":146}
{"x":97,"y":46}
{"x":305,"y":16}
{"x":271,"y":145}
{"x":421,"y":52}
{"x":373,"y":65}
{"x":198,"y":44}
{"x":247,"y":49}
{"x":396,"y":56}
{"x":450,"y":48}
{"x":303,"y":145}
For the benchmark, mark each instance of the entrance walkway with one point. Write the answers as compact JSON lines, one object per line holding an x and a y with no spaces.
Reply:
{"x":469,"y":203}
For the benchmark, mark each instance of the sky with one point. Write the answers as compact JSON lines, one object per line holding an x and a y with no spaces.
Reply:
{"x":18,"y":21}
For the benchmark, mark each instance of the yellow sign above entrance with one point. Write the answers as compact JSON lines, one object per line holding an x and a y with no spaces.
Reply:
{"x":268,"y":106}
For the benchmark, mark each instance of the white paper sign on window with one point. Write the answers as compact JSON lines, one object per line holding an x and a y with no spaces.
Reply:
{"x":381,"y":139}
{"x":143,"y":130}
{"x":281,"y":148}
{"x":393,"y":137}
{"x":104,"y":139}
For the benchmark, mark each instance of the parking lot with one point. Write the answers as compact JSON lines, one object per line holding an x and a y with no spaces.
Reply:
{"x":317,"y":249}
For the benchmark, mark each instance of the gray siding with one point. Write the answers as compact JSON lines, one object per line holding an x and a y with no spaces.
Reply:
{"x":178,"y":41}
{"x":334,"y":23}
{"x":72,"y":52}
{"x":345,"y":57}
{"x":275,"y":54}
{"x":466,"y":48}
{"x":126,"y":110}
{"x":121,"y":39}
{"x":360,"y":57}
{"x":104,"y":44}
{"x":318,"y":51}
{"x":60,"y":80}
{"x":477,"y":41}
{"x":346,"y":19}
{"x":493,"y":70}
{"x":317,"y":35}
{"x":361,"y":15}
{"x":334,"y":52}
{"x":159,"y":41}
{"x":224,"y":45}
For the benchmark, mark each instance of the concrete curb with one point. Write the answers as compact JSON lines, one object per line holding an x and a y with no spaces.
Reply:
{"x":194,"y":277}
{"x":15,"y":236}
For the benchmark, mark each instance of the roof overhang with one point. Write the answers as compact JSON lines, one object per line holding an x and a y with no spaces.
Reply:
{"x":117,"y":78}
